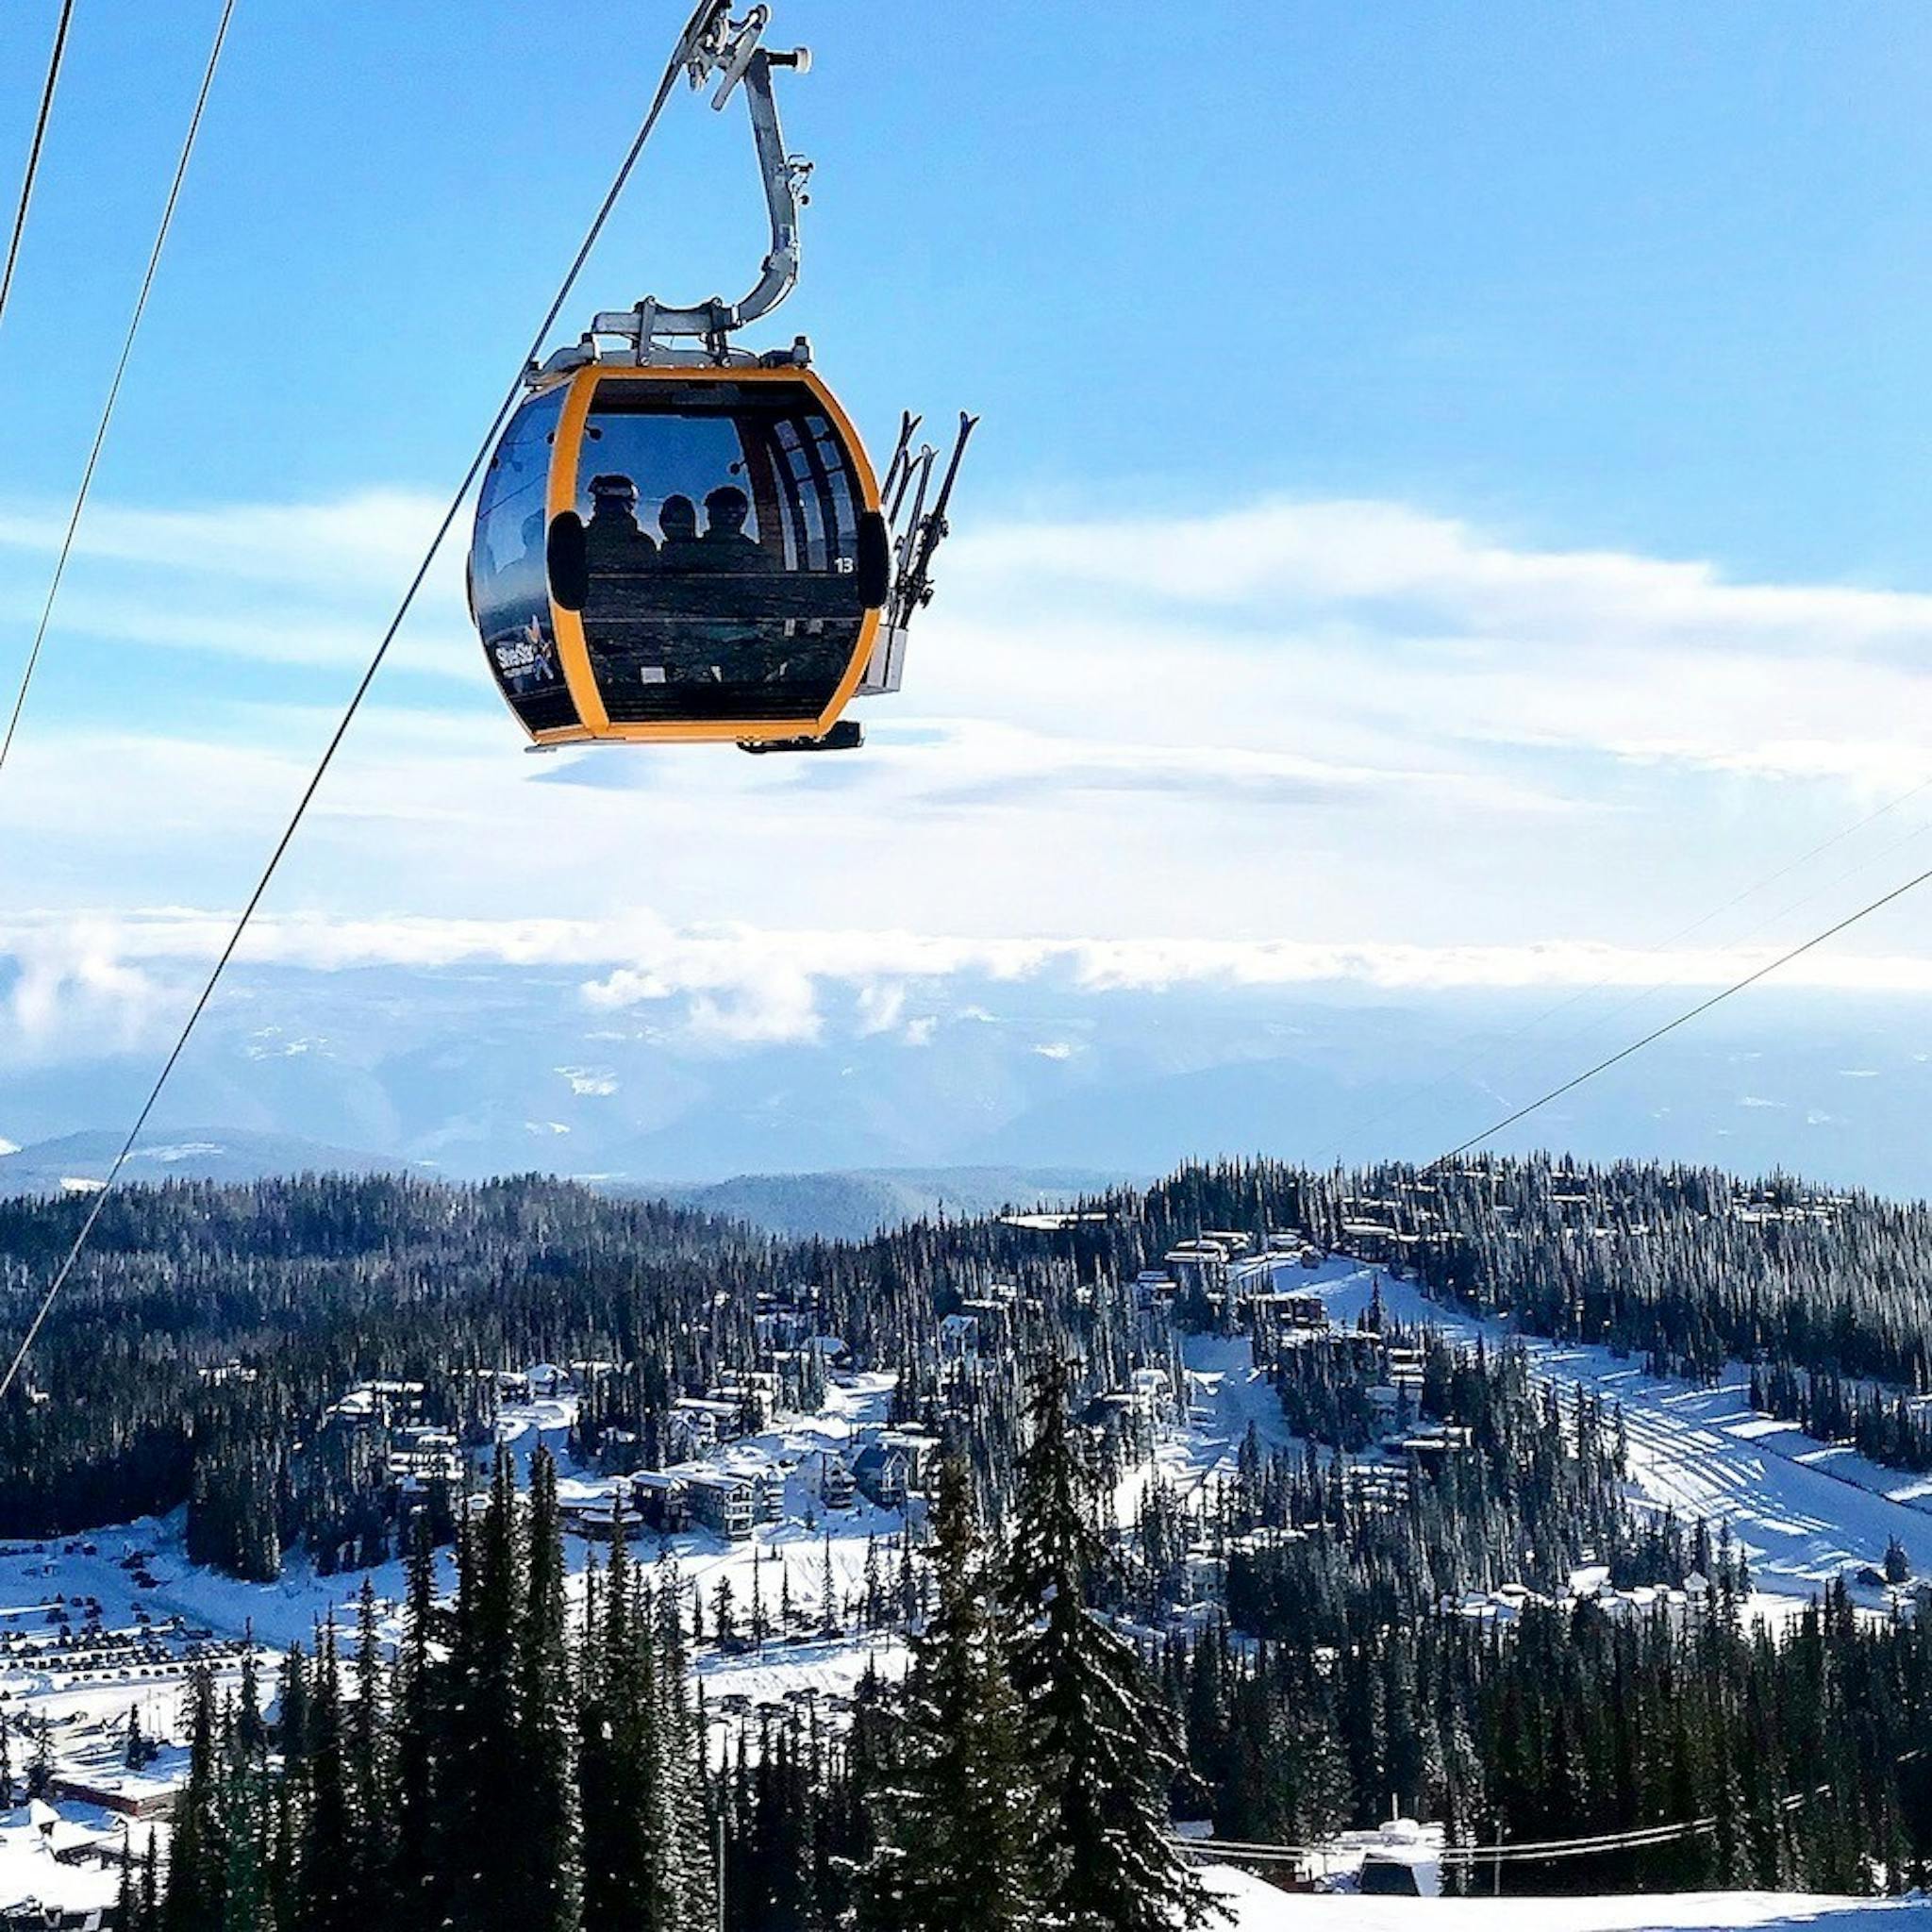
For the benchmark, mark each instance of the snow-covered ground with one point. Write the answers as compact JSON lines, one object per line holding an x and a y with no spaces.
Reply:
{"x":30,"y":1837}
{"x":137,"y":1614}
{"x":1805,"y":1510}
{"x":93,"y":1625}
{"x":1258,"y":1907}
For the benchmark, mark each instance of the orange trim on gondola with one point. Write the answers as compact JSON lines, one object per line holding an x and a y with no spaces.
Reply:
{"x":567,"y":626}
{"x":572,"y":648}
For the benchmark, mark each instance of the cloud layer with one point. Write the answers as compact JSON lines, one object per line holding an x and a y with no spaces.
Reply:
{"x":120,"y":979}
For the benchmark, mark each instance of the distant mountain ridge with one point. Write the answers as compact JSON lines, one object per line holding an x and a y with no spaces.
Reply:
{"x":856,"y":1204}
{"x":851,"y":1204}
{"x":68,"y":1162}
{"x":502,"y":1070}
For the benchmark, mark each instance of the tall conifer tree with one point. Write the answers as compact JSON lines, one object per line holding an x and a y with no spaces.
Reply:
{"x":1105,"y":1748}
{"x":961,"y":1825}
{"x":545,"y":1761}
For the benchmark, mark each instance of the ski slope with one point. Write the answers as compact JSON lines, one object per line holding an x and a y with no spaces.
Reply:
{"x":1804,"y":1510}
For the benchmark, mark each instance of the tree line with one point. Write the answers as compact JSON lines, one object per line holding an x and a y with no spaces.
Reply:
{"x":527,"y":1767}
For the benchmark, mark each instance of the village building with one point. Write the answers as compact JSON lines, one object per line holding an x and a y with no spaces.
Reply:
{"x":698,"y":1424}
{"x":959,"y":1338}
{"x":883,"y":1472}
{"x":836,"y":1485}
{"x":1282,"y":1315}
{"x":387,"y":1404}
{"x":420,"y":1456}
{"x":723,"y":1501}
{"x":660,"y":1501}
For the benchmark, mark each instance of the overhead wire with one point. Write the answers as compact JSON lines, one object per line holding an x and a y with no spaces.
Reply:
{"x":1636,"y":1837}
{"x":705,"y":11}
{"x":31,"y":172}
{"x":1638,"y":998}
{"x":107,"y":417}
{"x":1532,"y":1850}
{"x":1684,"y":1019}
{"x":1490,"y":1044}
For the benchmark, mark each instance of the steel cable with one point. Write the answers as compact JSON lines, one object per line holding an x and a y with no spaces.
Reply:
{"x":32,"y":174}
{"x":94,"y":454}
{"x":705,"y":11}
{"x":1683,"y":1019}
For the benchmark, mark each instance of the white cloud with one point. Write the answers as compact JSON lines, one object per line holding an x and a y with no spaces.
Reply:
{"x":881,"y":1004}
{"x":1339,"y":741}
{"x":371,"y":536}
{"x":1351,"y":553}
{"x":76,"y":978}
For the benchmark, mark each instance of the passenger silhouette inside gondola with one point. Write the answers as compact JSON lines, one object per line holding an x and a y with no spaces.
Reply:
{"x":725,"y":510}
{"x":682,"y":547}
{"x":613,"y":540}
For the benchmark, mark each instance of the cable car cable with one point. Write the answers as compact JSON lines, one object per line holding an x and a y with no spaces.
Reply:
{"x":1486,"y":1046}
{"x":1703,"y":1006}
{"x":32,"y":174}
{"x":1487,"y":1051}
{"x":705,"y":11}
{"x":94,"y":456}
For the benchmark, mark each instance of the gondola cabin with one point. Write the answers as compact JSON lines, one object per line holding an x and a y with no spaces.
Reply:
{"x":679,"y":554}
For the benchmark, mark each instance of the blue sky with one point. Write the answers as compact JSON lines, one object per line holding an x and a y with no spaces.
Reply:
{"x":1643,"y":276}
{"x":1450,"y":486}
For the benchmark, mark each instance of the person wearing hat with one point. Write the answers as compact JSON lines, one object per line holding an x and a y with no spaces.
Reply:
{"x":613,"y":540}
{"x":615,"y":551}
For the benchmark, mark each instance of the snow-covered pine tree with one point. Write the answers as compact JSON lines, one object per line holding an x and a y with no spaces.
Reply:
{"x":247,"y":1817}
{"x":39,"y":1763}
{"x":420,"y":1734}
{"x":1105,"y":1748}
{"x":150,"y":1905}
{"x":327,"y":1903}
{"x":367,"y":1767}
{"x":486,"y":1803}
{"x":197,"y":1856}
{"x":959,"y":1822}
{"x":829,"y":1620}
{"x":127,"y":1896}
{"x":618,"y":1758}
{"x":545,"y":1762}
{"x":679,"y":1827}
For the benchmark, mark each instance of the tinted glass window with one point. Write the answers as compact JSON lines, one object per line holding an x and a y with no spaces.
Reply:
{"x":721,"y":520}
{"x":508,"y":591}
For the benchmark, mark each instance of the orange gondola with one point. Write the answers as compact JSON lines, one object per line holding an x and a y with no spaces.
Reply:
{"x":679,"y":544}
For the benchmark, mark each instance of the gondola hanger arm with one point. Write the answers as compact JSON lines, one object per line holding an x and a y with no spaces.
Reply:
{"x":732,"y":51}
